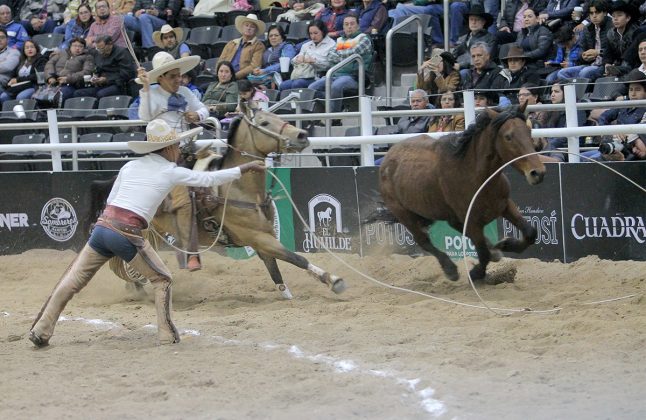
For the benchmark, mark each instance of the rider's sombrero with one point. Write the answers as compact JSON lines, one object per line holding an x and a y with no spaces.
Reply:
{"x":166,"y":29}
{"x":164,"y":62}
{"x":251,"y":18}
{"x":160,"y":135}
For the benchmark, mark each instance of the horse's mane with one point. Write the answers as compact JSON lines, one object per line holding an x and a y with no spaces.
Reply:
{"x":460,"y":142}
{"x":233,"y":128}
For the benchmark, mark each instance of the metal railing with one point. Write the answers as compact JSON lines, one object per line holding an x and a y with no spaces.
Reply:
{"x":365,"y":141}
{"x":389,"y":50}
{"x":328,"y":84}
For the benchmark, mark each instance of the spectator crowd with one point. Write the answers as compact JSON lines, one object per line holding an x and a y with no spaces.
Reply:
{"x":524,"y":52}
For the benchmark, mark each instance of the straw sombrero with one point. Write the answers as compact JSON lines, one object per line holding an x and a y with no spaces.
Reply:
{"x":157,"y":35}
{"x":250,"y":18}
{"x":160,"y":135}
{"x":164,"y":62}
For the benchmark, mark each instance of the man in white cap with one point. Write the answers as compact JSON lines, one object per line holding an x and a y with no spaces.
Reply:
{"x":170,"y":39}
{"x":141,"y":186}
{"x":175,"y":104}
{"x":245,"y":53}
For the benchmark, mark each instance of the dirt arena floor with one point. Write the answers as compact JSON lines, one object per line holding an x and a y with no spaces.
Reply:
{"x":370,"y":353}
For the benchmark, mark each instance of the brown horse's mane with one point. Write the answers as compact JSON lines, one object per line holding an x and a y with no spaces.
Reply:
{"x":459,"y":143}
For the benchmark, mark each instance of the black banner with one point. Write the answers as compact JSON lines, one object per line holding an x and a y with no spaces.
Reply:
{"x":603,"y":213}
{"x":327,"y":200}
{"x":378,"y":236}
{"x":45,"y":210}
{"x":541,"y":206}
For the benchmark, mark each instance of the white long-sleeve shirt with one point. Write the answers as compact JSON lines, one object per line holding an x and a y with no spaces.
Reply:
{"x":142,"y":184}
{"x":154,"y":104}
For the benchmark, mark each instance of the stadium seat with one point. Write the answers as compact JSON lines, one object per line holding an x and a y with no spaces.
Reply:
{"x":270,"y":14}
{"x":306,"y":101}
{"x":298,"y":31}
{"x":199,"y":21}
{"x":202,"y":39}
{"x":77,"y":108}
{"x":581,"y":85}
{"x":125,"y":137}
{"x":604,"y":88}
{"x":228,"y":33}
{"x":20,"y":166}
{"x":48,"y":42}
{"x":112,"y":108}
{"x":411,"y":28}
{"x":29,"y":105}
{"x":232,"y":15}
{"x":102,"y":138}
{"x":273,"y":95}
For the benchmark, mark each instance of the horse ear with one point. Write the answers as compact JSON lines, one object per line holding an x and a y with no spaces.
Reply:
{"x":246,"y":109}
{"x":491,"y":113}
{"x":523,"y":108}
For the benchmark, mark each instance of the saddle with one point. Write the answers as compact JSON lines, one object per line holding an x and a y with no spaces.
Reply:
{"x":207,"y":199}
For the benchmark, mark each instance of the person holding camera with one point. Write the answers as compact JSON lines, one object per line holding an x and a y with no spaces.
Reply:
{"x":636,"y":83}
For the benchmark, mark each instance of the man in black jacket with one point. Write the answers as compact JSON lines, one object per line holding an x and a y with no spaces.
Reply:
{"x":483,"y":72}
{"x":479,"y":21}
{"x":114,"y":68}
{"x":594,"y":44}
{"x":149,"y":16}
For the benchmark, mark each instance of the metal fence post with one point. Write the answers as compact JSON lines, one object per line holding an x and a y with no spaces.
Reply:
{"x":52,"y":122}
{"x":571,"y":121}
{"x":469,"y":100}
{"x":367,"y":150}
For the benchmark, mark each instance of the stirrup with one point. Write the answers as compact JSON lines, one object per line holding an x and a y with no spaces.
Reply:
{"x":38,"y":342}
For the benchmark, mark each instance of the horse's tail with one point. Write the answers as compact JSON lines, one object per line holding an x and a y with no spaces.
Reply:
{"x":380,"y":214}
{"x":99,"y":191}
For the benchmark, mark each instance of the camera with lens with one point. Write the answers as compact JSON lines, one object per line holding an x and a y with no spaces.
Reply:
{"x":611,"y":147}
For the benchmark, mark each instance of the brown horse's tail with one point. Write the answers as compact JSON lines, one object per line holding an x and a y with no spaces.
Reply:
{"x":99,"y":192}
{"x":380,"y":214}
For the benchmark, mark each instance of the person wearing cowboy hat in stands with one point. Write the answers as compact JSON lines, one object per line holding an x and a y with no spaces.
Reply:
{"x":478,"y":21}
{"x":170,"y":39}
{"x":177,"y":105}
{"x":140,"y":187}
{"x":514,"y":75}
{"x":245,"y":53}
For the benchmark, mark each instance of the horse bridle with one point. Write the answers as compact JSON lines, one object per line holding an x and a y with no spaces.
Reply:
{"x":279,"y":137}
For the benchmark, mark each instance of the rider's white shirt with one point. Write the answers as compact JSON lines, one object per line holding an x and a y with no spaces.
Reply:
{"x":154,"y":104}
{"x":143,"y":183}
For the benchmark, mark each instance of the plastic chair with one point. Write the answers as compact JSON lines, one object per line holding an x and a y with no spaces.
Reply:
{"x":604,"y":88}
{"x":102,"y":138}
{"x":111,"y":108}
{"x":125,"y":137}
{"x":49,"y":42}
{"x":20,"y":166}
{"x":199,"y":21}
{"x":202,"y":39}
{"x":77,"y":108}
{"x":298,"y":31}
{"x":29,"y":105}
{"x":580,"y":84}
{"x":306,"y":101}
{"x":228,"y":33}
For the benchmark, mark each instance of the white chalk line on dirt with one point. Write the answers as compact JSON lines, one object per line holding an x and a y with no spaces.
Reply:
{"x":431,"y":405}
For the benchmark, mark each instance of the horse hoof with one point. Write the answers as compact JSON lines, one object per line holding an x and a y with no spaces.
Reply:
{"x":284,"y":291}
{"x":338,"y":286}
{"x":477,"y":274}
{"x":38,"y":342}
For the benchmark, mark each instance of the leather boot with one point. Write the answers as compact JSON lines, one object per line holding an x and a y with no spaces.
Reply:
{"x":76,"y":277}
{"x":148,"y":263}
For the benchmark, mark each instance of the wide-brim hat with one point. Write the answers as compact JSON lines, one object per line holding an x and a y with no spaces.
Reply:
{"x":478,"y":10}
{"x":252,"y":18}
{"x":157,"y":35}
{"x":515,"y":52}
{"x":164,"y":62}
{"x":159,"y":135}
{"x":627,"y":8}
{"x":635,"y":76}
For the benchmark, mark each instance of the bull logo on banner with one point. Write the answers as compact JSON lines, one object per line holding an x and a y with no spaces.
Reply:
{"x":325,"y":225}
{"x":58,"y":219}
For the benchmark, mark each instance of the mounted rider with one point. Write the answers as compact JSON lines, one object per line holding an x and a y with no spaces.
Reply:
{"x":176,"y":105}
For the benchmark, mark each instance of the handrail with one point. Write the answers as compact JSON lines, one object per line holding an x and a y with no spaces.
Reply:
{"x":289,"y":98}
{"x":389,"y":51}
{"x":328,"y":84}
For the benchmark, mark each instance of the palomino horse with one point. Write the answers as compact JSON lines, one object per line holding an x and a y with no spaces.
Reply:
{"x":249,"y":217}
{"x":425,"y":180}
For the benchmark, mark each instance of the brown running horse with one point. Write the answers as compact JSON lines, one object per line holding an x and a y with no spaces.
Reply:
{"x":249,"y":217}
{"x":423,"y":180}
